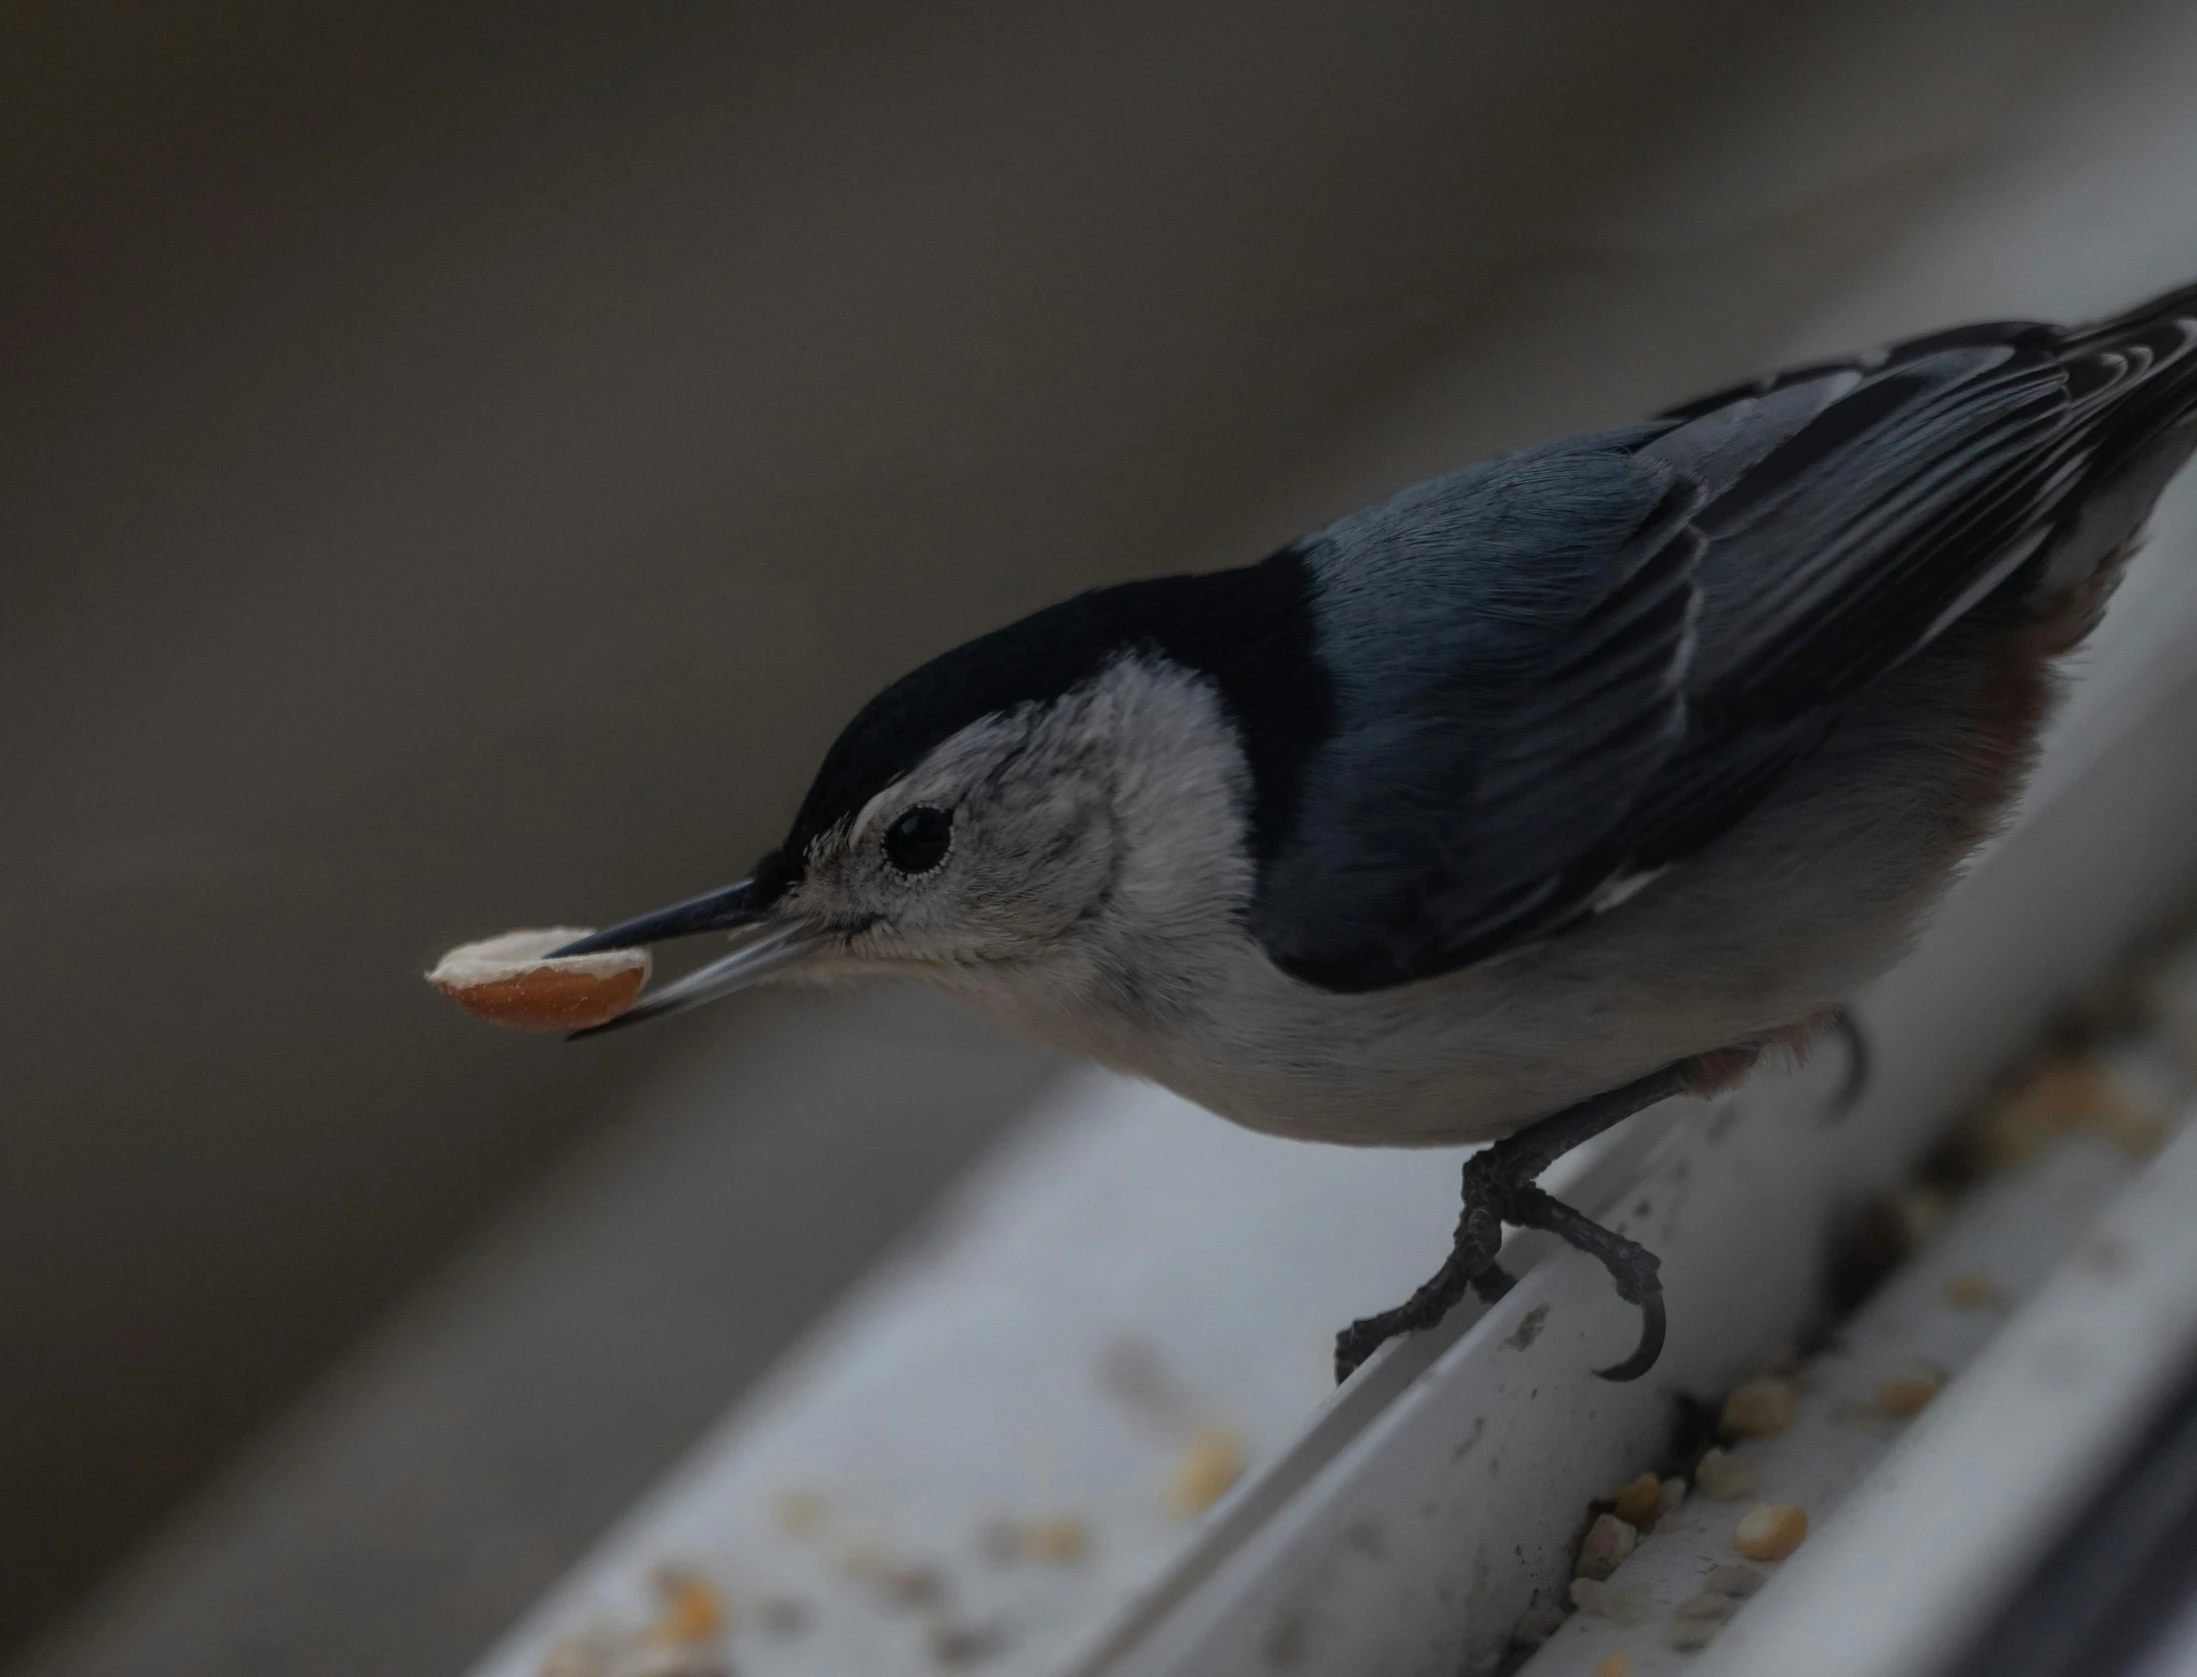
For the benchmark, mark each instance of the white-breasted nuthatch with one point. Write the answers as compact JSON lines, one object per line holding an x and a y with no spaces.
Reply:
{"x":1520,"y":800}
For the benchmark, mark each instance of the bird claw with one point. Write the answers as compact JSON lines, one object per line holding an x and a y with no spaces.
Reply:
{"x":1650,"y":1348}
{"x":1359,"y":1341}
{"x":1493,"y":1282}
{"x":1632,"y":1270}
{"x":1499,"y":1188}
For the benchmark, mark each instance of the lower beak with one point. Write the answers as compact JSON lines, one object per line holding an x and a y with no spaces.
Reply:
{"x":782,"y":943}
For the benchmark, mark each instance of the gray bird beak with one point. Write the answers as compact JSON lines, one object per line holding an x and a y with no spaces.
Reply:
{"x":714,"y":911}
{"x":782,"y":944}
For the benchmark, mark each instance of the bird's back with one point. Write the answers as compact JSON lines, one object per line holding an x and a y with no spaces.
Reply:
{"x":1563,"y":672}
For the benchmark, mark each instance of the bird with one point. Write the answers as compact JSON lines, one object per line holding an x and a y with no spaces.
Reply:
{"x":1537,"y":793}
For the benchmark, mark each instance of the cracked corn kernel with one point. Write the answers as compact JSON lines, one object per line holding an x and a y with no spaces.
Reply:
{"x":1055,"y":1539}
{"x":1759,"y":1409}
{"x":1723,"y":1477}
{"x":690,"y":1608}
{"x":1770,"y":1531}
{"x":1639,"y":1502}
{"x":588,"y":1654}
{"x":897,"y":1580}
{"x":1909,"y":1392}
{"x":1208,"y":1465}
{"x":1608,"y":1543}
{"x":1618,"y":1664}
{"x":2062,"y":1097}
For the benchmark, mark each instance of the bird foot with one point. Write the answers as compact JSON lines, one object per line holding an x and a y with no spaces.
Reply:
{"x":1498,"y":1189}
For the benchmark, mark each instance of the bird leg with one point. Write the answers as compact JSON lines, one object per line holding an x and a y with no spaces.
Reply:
{"x":1499,"y":1188}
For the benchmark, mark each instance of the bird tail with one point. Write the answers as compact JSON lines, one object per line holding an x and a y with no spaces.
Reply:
{"x":2132,"y":384}
{"x":2178,"y":304}
{"x":2133,"y":377}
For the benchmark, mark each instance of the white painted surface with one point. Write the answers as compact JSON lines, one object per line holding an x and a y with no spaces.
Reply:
{"x":1981,"y":1486}
{"x":968,"y":1384}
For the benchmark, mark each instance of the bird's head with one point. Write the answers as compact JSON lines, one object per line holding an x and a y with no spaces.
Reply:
{"x":1026,"y":810}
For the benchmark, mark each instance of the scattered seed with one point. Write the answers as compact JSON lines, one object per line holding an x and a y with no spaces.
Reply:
{"x":690,"y":1608}
{"x":1909,"y":1392}
{"x":1618,"y":1664}
{"x":901,"y":1582}
{"x":670,"y":1660}
{"x":590,"y":1653}
{"x":1706,"y":1605}
{"x":1051,"y":1540}
{"x":1056,"y":1539}
{"x":1759,"y":1409}
{"x":1723,"y":1477}
{"x":684,"y":1640}
{"x":1205,"y":1469}
{"x":1639,"y":1502}
{"x":1607,"y":1544}
{"x":1974,"y":1290}
{"x":1770,"y":1531}
{"x":2061,"y":1097}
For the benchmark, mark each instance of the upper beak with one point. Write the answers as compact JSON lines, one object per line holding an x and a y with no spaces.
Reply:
{"x":785,"y":943}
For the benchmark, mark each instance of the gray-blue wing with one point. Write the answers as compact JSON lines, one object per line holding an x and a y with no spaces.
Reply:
{"x":1560,"y":671}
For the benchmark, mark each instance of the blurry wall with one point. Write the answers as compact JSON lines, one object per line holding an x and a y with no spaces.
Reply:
{"x":461,"y":463}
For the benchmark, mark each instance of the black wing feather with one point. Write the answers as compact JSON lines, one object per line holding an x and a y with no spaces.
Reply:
{"x":1708,"y":592}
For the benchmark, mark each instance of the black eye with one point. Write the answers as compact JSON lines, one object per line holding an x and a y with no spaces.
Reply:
{"x":919,"y":840}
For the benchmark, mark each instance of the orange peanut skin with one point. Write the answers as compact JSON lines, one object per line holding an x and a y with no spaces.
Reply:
{"x":550,"y":998}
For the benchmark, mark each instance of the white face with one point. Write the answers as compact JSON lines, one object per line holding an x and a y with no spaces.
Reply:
{"x":992,"y":850}
{"x":1053,"y":852}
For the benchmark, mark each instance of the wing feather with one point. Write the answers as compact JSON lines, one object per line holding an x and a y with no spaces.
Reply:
{"x":1561,"y":671}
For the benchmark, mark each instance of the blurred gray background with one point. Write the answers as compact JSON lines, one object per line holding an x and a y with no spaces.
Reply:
{"x":459,"y":464}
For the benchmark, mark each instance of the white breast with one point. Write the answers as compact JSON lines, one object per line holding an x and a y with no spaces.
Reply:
{"x":1807,"y":899}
